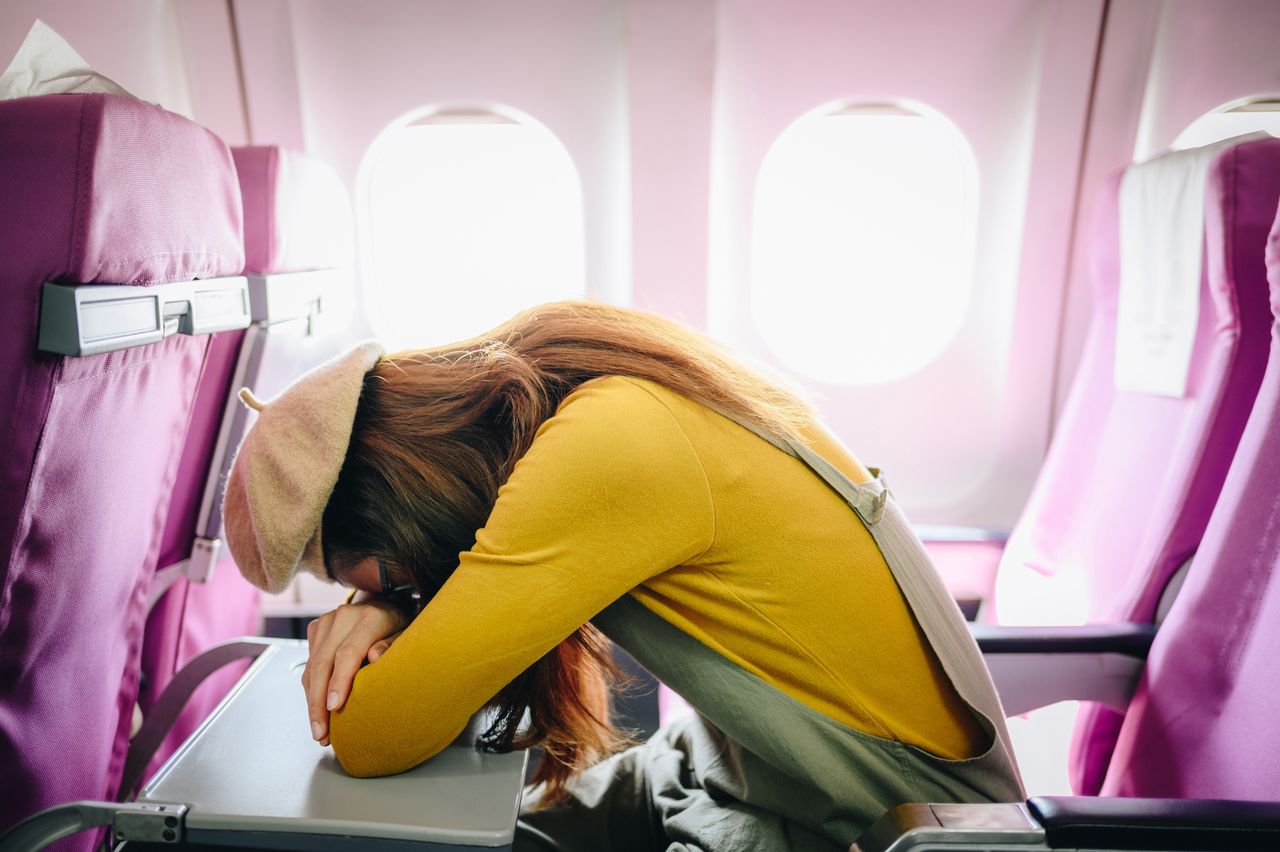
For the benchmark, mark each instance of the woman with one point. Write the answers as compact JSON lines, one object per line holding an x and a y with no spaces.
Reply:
{"x":586,"y":470}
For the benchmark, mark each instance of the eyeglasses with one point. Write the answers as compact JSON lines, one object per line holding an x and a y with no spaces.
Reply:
{"x":403,"y":595}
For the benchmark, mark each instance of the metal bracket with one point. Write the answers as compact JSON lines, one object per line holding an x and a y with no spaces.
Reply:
{"x":148,"y":822}
{"x":204,"y":558}
{"x":198,"y":568}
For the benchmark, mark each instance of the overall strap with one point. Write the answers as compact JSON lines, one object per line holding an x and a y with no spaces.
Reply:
{"x":934,"y":608}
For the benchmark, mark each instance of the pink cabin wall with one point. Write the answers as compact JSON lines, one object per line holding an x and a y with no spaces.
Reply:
{"x":137,"y":43}
{"x":1206,"y":54}
{"x":671,"y":50}
{"x":1125,"y":55}
{"x":362,"y":67}
{"x":179,"y":55}
{"x":264,"y":41}
{"x":1015,"y":80}
{"x":1165,"y":63}
{"x":213,"y":73}
{"x":667,"y":107}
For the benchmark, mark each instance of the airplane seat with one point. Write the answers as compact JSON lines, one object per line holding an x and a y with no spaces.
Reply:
{"x":1194,"y":764}
{"x":193,"y":605}
{"x":1202,"y":722}
{"x":249,"y":774}
{"x":110,"y":210}
{"x":1131,"y":477}
{"x":297,"y":239}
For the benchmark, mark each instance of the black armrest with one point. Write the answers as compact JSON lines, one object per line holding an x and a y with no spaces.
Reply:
{"x":1203,"y":825}
{"x":1037,"y":666}
{"x":1128,"y":638}
{"x":1077,"y":823}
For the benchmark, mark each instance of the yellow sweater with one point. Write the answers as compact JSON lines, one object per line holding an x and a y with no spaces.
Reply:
{"x":633,"y":489}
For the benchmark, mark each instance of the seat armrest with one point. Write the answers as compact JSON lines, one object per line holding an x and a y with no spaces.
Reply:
{"x":1203,"y":825}
{"x":1034,"y":667}
{"x":926,"y":827}
{"x":1126,"y":637}
{"x":1078,"y":823}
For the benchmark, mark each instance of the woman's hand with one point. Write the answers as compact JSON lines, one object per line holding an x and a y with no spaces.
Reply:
{"x":340,"y":642}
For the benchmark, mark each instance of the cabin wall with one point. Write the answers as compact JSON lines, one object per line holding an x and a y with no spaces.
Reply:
{"x":1206,"y":54}
{"x":209,"y":46}
{"x":137,"y":43}
{"x":1015,"y":80}
{"x":671,"y":59}
{"x":1164,"y":64}
{"x":362,"y":68}
{"x":668,"y":107}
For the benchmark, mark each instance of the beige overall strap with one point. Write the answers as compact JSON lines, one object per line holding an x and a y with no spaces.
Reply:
{"x":932,"y":605}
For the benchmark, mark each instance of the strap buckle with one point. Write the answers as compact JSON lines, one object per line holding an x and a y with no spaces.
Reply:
{"x":870,"y":506}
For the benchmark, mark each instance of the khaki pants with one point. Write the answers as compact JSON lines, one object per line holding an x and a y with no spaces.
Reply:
{"x":647,"y":798}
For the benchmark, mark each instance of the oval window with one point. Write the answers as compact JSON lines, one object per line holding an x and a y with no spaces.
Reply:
{"x":863,"y":241}
{"x":470,"y":217}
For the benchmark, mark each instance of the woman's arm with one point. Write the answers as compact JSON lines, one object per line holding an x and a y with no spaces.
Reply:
{"x":339,"y":642}
{"x":610,"y":494}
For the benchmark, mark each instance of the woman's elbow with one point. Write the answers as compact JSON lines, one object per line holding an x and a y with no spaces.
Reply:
{"x":368,"y":751}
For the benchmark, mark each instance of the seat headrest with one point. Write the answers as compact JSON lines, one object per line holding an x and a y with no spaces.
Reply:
{"x":296,"y":212}
{"x":1239,"y":195}
{"x":108,"y":189}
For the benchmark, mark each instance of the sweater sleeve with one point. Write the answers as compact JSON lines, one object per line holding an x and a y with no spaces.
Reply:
{"x":609,"y":494}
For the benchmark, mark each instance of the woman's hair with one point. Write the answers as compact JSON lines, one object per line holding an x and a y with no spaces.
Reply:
{"x":438,"y":431}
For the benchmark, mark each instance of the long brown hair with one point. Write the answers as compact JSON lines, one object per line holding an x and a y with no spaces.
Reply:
{"x":438,"y":431}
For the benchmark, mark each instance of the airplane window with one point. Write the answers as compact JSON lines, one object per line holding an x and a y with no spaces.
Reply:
{"x":863,"y":241}
{"x":1231,"y":119}
{"x":470,"y":216}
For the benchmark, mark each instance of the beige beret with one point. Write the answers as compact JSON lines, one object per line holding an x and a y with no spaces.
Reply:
{"x":286,"y":468}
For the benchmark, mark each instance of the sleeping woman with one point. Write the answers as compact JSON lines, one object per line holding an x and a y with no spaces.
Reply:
{"x":583,"y":474}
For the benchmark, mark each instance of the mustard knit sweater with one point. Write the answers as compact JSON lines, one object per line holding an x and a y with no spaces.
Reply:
{"x":633,"y":489}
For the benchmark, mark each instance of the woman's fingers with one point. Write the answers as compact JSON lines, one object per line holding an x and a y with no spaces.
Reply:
{"x":313,"y":641}
{"x":340,"y":642}
{"x":322,"y":636}
{"x":372,"y":628}
{"x":380,"y":648}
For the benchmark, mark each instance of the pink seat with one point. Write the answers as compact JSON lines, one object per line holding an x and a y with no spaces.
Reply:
{"x":93,"y":188}
{"x":1203,"y":721}
{"x":297,"y":216}
{"x":191,"y":616}
{"x":291,"y":226}
{"x":1130,"y":480}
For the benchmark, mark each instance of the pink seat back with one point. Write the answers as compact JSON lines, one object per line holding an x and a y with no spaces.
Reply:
{"x":1203,"y":722}
{"x":1131,"y":479}
{"x":289,"y":226}
{"x":297,"y":216}
{"x":177,"y":627}
{"x":93,"y":188}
